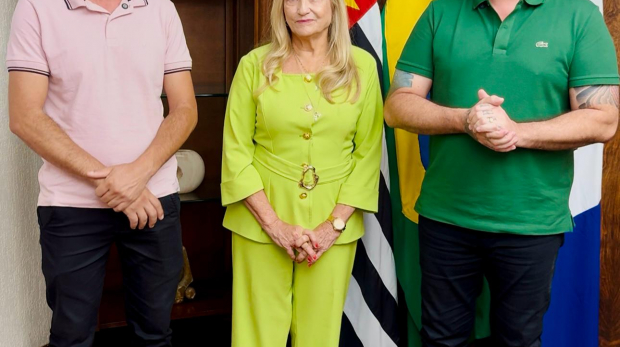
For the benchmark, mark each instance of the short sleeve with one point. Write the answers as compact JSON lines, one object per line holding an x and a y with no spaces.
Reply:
{"x":25,"y":48}
{"x":417,"y":55}
{"x":177,"y":53}
{"x":594,"y":61}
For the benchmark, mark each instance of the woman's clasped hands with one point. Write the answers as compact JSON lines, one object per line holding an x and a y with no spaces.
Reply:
{"x":303,"y":244}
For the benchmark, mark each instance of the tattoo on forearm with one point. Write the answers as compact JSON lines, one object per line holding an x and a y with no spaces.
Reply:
{"x":401,"y":80}
{"x":589,"y":96}
{"x":466,"y":125}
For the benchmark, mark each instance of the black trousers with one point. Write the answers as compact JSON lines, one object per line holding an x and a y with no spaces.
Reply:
{"x":454,"y":261}
{"x":75,"y":244}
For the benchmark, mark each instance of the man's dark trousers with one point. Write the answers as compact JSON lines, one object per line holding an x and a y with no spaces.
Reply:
{"x":454,"y":262}
{"x":75,"y":244}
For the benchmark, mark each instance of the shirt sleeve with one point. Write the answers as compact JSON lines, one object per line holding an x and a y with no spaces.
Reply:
{"x":361,"y":188}
{"x":239,"y":177}
{"x":25,"y":49}
{"x":177,"y":53}
{"x":594,"y":61}
{"x":417,"y":55}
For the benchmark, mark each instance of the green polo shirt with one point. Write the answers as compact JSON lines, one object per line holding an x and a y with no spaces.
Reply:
{"x":532,"y":58}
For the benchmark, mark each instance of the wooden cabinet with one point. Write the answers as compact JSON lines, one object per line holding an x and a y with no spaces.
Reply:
{"x":609,"y":312}
{"x":218,"y":33}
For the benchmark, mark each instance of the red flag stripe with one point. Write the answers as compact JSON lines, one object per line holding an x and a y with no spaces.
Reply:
{"x":355,"y":15}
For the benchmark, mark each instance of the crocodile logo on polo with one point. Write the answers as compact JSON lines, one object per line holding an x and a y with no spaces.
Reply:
{"x":542,"y":44}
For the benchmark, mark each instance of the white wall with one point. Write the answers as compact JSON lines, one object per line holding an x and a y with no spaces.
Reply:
{"x":24,"y":315}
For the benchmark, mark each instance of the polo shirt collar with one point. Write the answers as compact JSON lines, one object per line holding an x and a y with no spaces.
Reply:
{"x":534,"y":2}
{"x":477,"y":3}
{"x":73,"y":4}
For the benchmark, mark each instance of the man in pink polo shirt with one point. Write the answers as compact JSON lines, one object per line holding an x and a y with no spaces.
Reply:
{"x":85,"y":85}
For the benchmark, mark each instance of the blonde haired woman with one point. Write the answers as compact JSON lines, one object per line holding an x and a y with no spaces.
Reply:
{"x":302,"y":147}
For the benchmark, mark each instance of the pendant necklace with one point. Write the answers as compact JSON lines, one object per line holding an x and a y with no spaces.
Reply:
{"x":307,"y":77}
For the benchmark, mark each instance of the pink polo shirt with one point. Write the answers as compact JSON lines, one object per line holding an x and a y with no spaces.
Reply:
{"x":106,"y":73}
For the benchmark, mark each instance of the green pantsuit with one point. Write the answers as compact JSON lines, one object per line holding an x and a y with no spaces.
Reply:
{"x":268,"y":138}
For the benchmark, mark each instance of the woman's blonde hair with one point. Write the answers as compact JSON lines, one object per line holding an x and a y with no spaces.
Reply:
{"x":341,"y":71}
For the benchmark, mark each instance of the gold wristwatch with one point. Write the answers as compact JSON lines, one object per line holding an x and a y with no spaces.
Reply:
{"x":337,"y":223}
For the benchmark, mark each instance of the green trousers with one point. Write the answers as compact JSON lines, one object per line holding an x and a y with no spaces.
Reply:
{"x":272,"y":295}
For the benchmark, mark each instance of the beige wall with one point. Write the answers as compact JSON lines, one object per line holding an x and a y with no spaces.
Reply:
{"x":24,"y":316}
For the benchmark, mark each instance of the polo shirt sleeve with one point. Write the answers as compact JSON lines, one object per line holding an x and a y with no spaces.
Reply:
{"x":177,"y":54}
{"x":25,"y":49}
{"x":594,"y":61}
{"x":417,"y":55}
{"x":240,"y":178}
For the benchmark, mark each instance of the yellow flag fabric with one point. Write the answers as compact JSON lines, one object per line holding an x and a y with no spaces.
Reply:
{"x":400,"y":17}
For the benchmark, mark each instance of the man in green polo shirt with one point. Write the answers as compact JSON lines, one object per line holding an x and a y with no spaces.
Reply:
{"x":494,"y":201}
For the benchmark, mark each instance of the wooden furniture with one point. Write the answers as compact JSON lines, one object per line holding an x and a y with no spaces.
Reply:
{"x":218,"y":34}
{"x":609,"y":312}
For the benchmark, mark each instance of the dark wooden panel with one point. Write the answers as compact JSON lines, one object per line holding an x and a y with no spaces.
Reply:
{"x":207,"y":242}
{"x":246,"y":25}
{"x":609,"y":314}
{"x":113,"y":272}
{"x":204,"y":24}
{"x":245,"y":28}
{"x":262,"y":12}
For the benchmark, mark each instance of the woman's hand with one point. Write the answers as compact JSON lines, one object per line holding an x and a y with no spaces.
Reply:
{"x":283,"y":234}
{"x":291,"y":238}
{"x":322,"y":238}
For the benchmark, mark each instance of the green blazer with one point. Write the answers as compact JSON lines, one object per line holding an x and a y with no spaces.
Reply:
{"x":270,"y":137}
